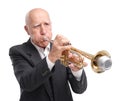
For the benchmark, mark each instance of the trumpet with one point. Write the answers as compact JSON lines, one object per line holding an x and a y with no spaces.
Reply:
{"x":100,"y":62}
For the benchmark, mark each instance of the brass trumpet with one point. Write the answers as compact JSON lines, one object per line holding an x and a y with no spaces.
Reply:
{"x":99,"y":62}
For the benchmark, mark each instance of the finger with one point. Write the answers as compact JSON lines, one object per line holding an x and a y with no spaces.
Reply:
{"x":65,"y":47}
{"x":73,"y":67}
{"x":85,"y":64}
{"x":63,"y":40}
{"x":66,"y":43}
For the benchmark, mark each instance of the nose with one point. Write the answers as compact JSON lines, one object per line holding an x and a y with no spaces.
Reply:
{"x":43,"y":30}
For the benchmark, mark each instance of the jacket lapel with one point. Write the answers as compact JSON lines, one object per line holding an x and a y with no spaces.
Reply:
{"x":35,"y":58}
{"x":32,"y":53}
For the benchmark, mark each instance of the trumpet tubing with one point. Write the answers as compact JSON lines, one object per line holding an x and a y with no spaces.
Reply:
{"x":99,"y":62}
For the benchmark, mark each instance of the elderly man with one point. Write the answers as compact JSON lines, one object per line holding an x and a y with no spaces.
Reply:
{"x":37,"y":65}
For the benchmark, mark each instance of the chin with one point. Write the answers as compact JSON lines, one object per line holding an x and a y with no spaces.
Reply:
{"x":44,"y":44}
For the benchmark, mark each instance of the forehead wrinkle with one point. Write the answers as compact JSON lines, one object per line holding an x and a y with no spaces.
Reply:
{"x":34,"y":12}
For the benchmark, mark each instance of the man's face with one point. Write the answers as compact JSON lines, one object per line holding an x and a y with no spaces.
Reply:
{"x":38,"y":27}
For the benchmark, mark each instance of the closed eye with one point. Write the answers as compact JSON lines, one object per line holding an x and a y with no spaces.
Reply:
{"x":37,"y":25}
{"x":46,"y":23}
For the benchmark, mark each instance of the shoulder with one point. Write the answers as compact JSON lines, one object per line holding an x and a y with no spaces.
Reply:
{"x":17,"y":47}
{"x":20,"y":47}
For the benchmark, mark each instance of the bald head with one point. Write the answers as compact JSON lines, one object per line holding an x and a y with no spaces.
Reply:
{"x":38,"y":26}
{"x":34,"y":14}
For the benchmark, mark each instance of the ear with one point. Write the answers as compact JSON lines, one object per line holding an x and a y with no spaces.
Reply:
{"x":26,"y":29}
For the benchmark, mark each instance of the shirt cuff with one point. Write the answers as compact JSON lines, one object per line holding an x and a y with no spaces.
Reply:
{"x":50,"y":64}
{"x":77,"y":74}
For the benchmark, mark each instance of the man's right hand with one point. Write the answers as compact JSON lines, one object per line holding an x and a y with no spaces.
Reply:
{"x":60,"y":44}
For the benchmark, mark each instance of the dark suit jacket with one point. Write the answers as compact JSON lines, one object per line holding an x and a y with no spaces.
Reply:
{"x":37,"y":82}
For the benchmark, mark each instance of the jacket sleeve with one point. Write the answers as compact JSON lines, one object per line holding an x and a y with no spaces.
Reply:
{"x":77,"y":86}
{"x":29,"y":76}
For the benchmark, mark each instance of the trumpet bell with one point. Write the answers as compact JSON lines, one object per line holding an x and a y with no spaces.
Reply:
{"x":101,"y":61}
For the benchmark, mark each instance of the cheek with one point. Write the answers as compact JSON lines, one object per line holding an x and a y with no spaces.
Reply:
{"x":49,"y":34}
{"x":35,"y":37}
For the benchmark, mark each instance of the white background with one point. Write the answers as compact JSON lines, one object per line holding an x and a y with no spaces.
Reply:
{"x":91,"y":25}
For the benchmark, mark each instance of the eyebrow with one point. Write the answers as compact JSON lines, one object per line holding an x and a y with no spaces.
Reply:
{"x":35,"y":25}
